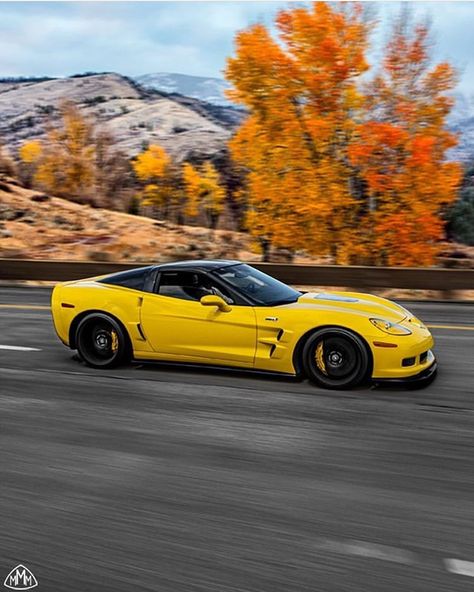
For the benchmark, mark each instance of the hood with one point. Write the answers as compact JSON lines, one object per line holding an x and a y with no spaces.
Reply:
{"x":353,"y":302}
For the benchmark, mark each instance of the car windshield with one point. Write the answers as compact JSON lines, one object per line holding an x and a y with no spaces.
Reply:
{"x":257,"y":285}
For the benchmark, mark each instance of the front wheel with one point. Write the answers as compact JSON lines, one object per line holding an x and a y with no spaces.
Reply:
{"x":101,"y":341}
{"x":336,"y":358}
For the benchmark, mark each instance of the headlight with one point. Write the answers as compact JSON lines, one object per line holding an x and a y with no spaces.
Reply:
{"x":390,"y":328}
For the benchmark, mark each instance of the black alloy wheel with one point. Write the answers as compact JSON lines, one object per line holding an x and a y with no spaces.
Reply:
{"x":336,"y":358}
{"x":101,"y":342}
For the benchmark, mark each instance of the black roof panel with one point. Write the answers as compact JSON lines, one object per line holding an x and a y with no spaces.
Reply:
{"x":205,"y":264}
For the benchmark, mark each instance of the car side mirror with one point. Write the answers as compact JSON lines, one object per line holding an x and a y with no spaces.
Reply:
{"x":215,"y":300}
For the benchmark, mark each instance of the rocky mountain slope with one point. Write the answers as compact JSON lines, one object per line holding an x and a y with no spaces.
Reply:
{"x":184,"y":126}
{"x":211,"y":90}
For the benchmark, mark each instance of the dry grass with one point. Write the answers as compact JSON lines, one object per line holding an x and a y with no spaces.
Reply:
{"x":61,"y":230}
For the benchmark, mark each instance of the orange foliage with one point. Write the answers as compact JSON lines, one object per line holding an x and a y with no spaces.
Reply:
{"x":300,"y":91}
{"x":331,"y":168}
{"x":400,"y":151}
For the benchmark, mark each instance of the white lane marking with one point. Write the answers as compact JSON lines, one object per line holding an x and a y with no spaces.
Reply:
{"x":26,"y":306}
{"x":370,"y":550}
{"x":453,"y":327}
{"x":460,"y":567}
{"x":19,"y":348}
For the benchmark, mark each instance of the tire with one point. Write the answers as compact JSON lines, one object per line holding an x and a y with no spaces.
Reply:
{"x":102,"y":342}
{"x":336,"y":358}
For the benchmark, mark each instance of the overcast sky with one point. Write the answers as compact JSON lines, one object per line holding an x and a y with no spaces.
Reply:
{"x":61,"y":38}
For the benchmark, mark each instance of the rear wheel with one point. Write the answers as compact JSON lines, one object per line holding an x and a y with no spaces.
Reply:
{"x":336,"y":358}
{"x":102,"y":342}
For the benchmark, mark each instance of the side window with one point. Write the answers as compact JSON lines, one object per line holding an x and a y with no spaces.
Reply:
{"x":189,"y":285}
{"x":128,"y":279}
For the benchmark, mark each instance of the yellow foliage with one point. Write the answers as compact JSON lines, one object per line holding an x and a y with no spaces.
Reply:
{"x":155,"y":168}
{"x":192,"y":183}
{"x":30,"y":152}
{"x":152,"y":163}
{"x":66,"y":165}
{"x":203,"y":190}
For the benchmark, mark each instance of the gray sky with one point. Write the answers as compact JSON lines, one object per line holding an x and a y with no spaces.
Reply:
{"x":61,"y":38}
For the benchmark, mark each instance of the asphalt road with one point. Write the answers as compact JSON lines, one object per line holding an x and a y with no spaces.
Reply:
{"x":175,"y":480}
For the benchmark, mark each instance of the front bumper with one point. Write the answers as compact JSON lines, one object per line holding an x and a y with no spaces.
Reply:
{"x":388,"y":361}
{"x":423,"y":378}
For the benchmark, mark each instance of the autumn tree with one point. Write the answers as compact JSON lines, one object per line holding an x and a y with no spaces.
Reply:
{"x":204,"y":192}
{"x":400,"y":151}
{"x":154,"y":168}
{"x":67,"y":166}
{"x":333,"y":165}
{"x":301,"y":92}
{"x":78,"y":161}
{"x":30,"y":154}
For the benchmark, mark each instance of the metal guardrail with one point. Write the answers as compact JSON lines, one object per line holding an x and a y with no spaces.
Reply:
{"x":311,"y":275}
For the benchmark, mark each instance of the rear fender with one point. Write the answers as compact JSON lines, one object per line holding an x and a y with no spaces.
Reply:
{"x":72,"y":302}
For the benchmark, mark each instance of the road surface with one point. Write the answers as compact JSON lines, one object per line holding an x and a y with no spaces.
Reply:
{"x":162,"y":479}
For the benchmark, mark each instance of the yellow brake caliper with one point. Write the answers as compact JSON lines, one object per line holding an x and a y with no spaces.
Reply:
{"x":320,"y":358}
{"x":114,"y":345}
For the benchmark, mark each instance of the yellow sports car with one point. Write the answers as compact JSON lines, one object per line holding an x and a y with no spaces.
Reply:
{"x":228,"y":313}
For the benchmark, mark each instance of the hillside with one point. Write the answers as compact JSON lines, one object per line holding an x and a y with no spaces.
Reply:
{"x":135,"y":116}
{"x":36,"y":226}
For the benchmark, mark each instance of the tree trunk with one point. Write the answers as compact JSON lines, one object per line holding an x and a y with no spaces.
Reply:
{"x":266,"y":249}
{"x":213,"y":220}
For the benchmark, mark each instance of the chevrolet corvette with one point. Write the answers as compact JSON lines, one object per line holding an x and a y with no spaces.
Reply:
{"x":230,"y":314}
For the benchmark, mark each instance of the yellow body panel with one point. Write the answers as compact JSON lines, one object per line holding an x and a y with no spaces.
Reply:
{"x":187,"y":328}
{"x":259,"y":337}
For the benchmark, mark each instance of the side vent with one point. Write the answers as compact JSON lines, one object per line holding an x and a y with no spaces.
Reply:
{"x":140,"y":330}
{"x":273,"y":342}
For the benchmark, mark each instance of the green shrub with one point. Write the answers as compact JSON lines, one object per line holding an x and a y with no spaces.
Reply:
{"x":461,"y":218}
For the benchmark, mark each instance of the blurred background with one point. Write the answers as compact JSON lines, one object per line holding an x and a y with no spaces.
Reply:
{"x":325,"y":133}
